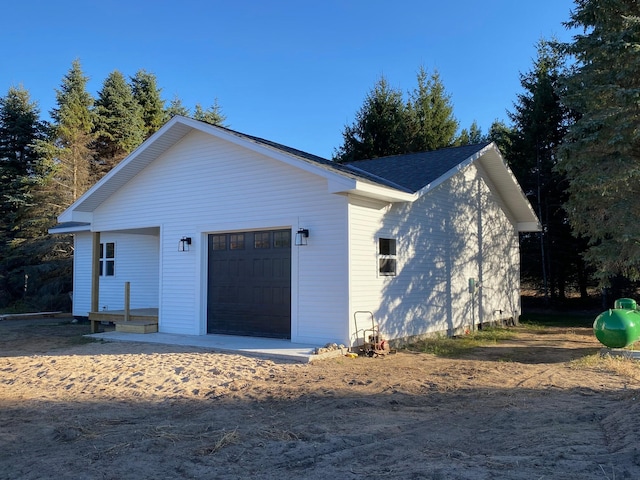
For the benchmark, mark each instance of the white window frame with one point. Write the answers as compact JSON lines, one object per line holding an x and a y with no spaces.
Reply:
{"x":104,"y":260}
{"x":389,"y":257}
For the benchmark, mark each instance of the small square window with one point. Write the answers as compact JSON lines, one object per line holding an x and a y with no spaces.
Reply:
{"x":219,"y":242}
{"x":261,"y":240}
{"x":387,"y":246}
{"x":236,"y":241}
{"x":387,"y":266}
{"x":281,"y":239}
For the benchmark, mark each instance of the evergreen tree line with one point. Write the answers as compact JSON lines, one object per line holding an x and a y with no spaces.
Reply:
{"x":46,"y":165}
{"x":573,"y":143}
{"x":389,"y":124}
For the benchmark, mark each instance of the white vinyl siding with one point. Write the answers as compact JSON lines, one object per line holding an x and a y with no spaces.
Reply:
{"x":455,"y":232}
{"x":82,"y":274}
{"x":205,"y":185}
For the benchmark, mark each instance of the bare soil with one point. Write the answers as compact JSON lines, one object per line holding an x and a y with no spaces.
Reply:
{"x":520,"y":409}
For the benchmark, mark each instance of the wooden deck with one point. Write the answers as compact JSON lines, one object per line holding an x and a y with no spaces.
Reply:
{"x":141,"y":320}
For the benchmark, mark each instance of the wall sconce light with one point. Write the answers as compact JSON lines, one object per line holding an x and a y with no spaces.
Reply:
{"x":301,"y":236}
{"x":183,"y":244}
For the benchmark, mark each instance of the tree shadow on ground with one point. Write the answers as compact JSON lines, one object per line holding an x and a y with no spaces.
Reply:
{"x":467,"y":433}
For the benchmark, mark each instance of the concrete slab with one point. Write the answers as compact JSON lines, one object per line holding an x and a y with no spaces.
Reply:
{"x":274,"y":349}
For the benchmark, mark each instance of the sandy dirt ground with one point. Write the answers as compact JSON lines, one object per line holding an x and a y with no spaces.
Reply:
{"x":520,"y":409}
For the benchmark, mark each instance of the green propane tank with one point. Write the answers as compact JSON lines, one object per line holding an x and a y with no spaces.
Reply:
{"x":620,"y":326}
{"x":625,"y":304}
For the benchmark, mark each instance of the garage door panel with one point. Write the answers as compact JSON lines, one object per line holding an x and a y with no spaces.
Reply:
{"x":249,"y":283}
{"x":258,"y":267}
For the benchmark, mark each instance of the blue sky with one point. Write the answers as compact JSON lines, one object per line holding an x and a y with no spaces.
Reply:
{"x":293,"y":72}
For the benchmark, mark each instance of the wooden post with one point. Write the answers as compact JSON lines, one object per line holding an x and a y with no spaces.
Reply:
{"x":95,"y":278}
{"x":127,"y":298}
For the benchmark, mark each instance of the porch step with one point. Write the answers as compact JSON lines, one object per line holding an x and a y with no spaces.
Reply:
{"x":137,"y":326}
{"x":138,"y":317}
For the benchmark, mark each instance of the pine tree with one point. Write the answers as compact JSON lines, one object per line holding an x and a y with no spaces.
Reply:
{"x":147,"y":94}
{"x":540,"y":120}
{"x":501,"y":134}
{"x":601,"y":152}
{"x":176,"y":107}
{"x":380,"y":128}
{"x":69,"y":151}
{"x":212,"y":115}
{"x":471,"y":136}
{"x":119,"y":127}
{"x":59,"y":177}
{"x":20,"y":129}
{"x":432,"y":124}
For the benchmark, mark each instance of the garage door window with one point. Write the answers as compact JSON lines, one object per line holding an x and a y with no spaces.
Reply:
{"x":282,"y":239}
{"x":219,"y":242}
{"x":262,"y":240}
{"x":236,"y":241}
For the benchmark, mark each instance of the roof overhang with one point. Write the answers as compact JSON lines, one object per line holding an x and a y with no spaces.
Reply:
{"x":179,"y":127}
{"x":71,"y":227}
{"x":350,"y":186}
{"x":170,"y":134}
{"x":502,"y":182}
{"x":506,"y":186}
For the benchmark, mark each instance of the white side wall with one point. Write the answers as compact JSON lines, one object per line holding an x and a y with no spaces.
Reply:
{"x":204,"y":185}
{"x":136,"y":261}
{"x":81,"y":274}
{"x":455,"y":232}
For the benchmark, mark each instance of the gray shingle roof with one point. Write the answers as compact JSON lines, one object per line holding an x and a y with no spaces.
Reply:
{"x":414,"y":171}
{"x":409,"y":172}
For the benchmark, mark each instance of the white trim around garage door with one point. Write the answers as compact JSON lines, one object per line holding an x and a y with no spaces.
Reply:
{"x":247,"y":226}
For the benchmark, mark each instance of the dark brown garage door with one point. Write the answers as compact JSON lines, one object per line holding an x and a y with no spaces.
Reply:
{"x":250,"y":284}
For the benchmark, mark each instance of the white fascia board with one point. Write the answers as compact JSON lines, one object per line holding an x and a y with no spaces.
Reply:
{"x":529,"y":227}
{"x":344,"y":185}
{"x":506,"y":184}
{"x":384,"y":193}
{"x":70,"y":215}
{"x":338,"y":184}
{"x":75,"y":229}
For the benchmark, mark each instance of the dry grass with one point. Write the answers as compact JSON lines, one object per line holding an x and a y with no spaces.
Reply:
{"x":444,"y":346}
{"x":625,"y":366}
{"x":223,"y":440}
{"x":280,"y":435}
